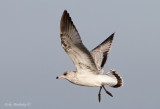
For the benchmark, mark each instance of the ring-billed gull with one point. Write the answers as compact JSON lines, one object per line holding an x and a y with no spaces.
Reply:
{"x":89,"y":65}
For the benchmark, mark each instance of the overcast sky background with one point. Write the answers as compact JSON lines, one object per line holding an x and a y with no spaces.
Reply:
{"x":31,"y":55}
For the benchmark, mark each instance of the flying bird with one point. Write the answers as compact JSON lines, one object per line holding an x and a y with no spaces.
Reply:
{"x":89,"y":64}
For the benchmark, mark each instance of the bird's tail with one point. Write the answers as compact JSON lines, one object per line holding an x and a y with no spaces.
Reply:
{"x":113,"y":74}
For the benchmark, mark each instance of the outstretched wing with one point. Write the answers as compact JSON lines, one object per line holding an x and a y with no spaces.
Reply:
{"x":100,"y":53}
{"x":72,"y":44}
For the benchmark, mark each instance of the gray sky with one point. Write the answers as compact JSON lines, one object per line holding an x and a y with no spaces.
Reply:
{"x":31,"y":55}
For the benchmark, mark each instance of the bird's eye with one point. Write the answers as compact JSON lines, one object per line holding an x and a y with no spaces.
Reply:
{"x":65,"y":74}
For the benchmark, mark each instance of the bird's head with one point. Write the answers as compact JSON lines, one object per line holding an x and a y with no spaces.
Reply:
{"x":67,"y":75}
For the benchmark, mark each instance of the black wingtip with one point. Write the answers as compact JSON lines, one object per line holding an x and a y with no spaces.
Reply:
{"x":64,"y":21}
{"x":111,"y":36}
{"x":65,"y":11}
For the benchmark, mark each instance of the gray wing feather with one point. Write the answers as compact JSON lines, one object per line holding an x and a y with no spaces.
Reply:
{"x":72,"y":44}
{"x":100,"y":53}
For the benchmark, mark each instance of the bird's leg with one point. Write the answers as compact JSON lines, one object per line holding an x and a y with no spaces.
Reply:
{"x":99,"y":94}
{"x":107,"y":91}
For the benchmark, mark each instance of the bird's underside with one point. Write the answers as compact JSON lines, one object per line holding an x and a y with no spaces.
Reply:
{"x":83,"y":59}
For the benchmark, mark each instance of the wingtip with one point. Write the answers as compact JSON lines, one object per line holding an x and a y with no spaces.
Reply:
{"x":64,"y":17}
{"x":113,"y":34}
{"x":65,"y":11}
